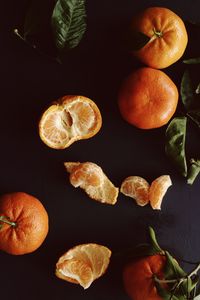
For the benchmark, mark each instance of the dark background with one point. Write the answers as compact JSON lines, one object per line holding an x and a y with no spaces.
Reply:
{"x":30,"y":81}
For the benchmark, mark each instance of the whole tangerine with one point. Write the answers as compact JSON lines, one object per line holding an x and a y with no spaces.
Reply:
{"x":167,"y":37}
{"x":138,"y":277}
{"x":23,"y":223}
{"x":148,"y":98}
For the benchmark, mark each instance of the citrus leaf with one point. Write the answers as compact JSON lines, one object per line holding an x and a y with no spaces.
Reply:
{"x":164,"y":293}
{"x":193,"y":171}
{"x":175,"y":143}
{"x":68,"y":23}
{"x":137,"y":40}
{"x":172,"y":269}
{"x":155,"y":246}
{"x":192,"y":61}
{"x":186,"y":90}
{"x":188,"y":285}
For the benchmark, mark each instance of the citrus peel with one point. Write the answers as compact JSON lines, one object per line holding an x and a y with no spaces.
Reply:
{"x":83,"y":264}
{"x":90,"y":177}
{"x":69,"y":119}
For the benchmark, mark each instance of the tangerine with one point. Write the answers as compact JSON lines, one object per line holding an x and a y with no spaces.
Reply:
{"x":167,"y":37}
{"x":148,"y":98}
{"x":24,"y":223}
{"x":138,"y":277}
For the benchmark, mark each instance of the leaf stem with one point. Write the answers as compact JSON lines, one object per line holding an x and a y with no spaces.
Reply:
{"x":178,"y":280}
{"x":195,"y":270}
{"x":6,"y":221}
{"x":16,"y":32}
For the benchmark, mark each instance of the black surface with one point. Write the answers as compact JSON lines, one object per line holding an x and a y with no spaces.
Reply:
{"x":29,"y":82}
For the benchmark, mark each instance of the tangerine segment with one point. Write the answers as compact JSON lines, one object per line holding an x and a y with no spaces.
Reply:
{"x":158,"y":189}
{"x":91,"y":178}
{"x":71,"y":118}
{"x":167,"y":33}
{"x":83,"y":264}
{"x":137,"y":188}
{"x":75,"y":271}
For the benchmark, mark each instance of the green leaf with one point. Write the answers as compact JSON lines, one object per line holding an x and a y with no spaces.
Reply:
{"x":175,"y":143}
{"x":155,"y":246}
{"x":192,"y":61}
{"x":137,"y":40}
{"x":164,"y":293}
{"x":186,"y":90}
{"x":68,"y":23}
{"x":193,"y":171}
{"x":172,"y":269}
{"x":188,"y":285}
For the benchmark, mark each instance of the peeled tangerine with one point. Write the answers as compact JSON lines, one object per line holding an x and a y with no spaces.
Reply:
{"x":91,"y":178}
{"x":83,"y":264}
{"x":139,"y":189}
{"x":69,"y":119}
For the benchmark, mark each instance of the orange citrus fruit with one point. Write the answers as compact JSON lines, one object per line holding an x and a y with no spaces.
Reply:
{"x":137,"y":188}
{"x":83,"y":264}
{"x":158,"y":189}
{"x":24,"y":223}
{"x":69,"y":119}
{"x":148,"y":98}
{"x":138,"y":277}
{"x":167,"y":37}
{"x":90,"y":177}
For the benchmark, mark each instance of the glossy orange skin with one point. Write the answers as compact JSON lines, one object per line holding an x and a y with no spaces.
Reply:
{"x":148,"y":98}
{"x":138,"y":277}
{"x":31,"y":221}
{"x":165,"y":49}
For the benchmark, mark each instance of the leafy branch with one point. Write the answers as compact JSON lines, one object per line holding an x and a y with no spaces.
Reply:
{"x":54,"y":29}
{"x":176,"y":284}
{"x":176,"y":131}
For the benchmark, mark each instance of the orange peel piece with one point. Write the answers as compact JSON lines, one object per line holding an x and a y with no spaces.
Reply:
{"x":83,"y":264}
{"x":69,"y":119}
{"x":91,"y":178}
